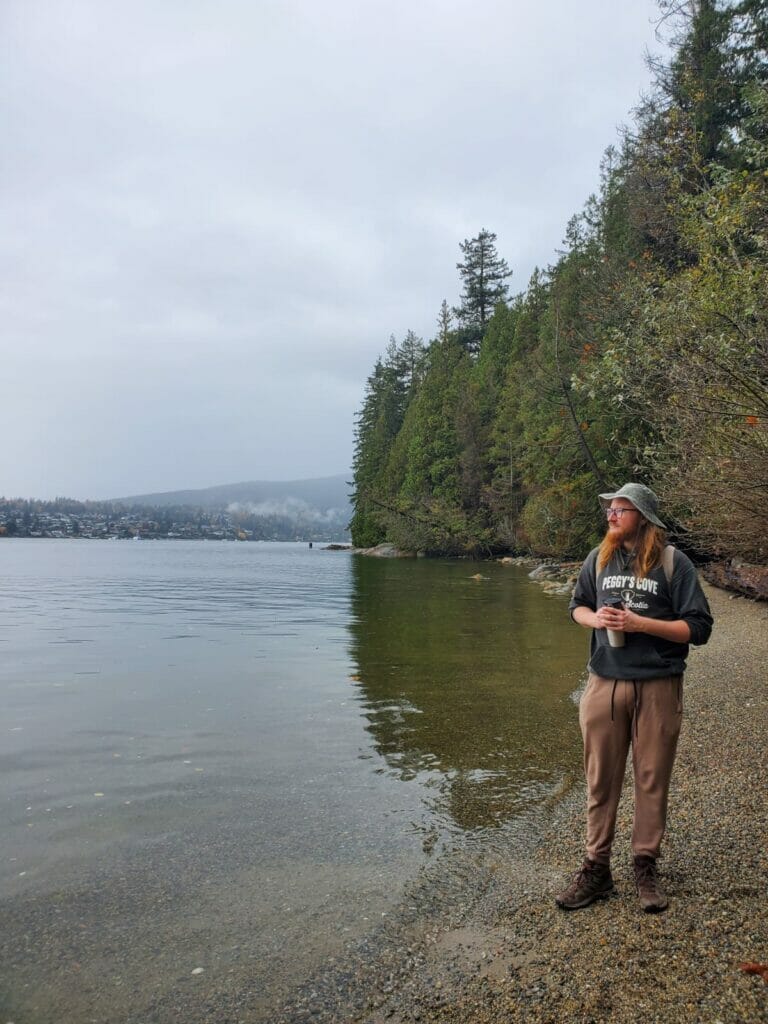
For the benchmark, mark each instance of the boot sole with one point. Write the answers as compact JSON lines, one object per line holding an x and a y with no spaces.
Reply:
{"x":655,"y":908}
{"x":606,"y":894}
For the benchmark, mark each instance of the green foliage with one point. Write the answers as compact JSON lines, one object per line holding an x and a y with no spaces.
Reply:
{"x":640,"y":354}
{"x":390,"y":388}
{"x":560,"y":519}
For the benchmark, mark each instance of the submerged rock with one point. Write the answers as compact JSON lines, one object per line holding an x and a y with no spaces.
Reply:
{"x":556,"y":577}
{"x":547,"y":570}
{"x":385,"y":551}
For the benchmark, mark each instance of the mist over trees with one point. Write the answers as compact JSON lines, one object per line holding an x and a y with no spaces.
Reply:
{"x":641,"y":353}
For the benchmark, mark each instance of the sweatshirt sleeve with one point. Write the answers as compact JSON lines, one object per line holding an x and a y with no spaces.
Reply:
{"x":585,"y":591}
{"x":688,"y":600}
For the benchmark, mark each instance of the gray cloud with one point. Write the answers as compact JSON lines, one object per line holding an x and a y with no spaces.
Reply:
{"x":214,"y":215}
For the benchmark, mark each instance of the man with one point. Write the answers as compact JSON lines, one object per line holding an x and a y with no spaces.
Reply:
{"x":652,"y":602}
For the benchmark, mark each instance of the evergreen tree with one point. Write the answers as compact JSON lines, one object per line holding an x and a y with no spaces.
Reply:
{"x":440,"y":459}
{"x":389,"y":390}
{"x":699,"y":82}
{"x":484,"y":276}
{"x":378,"y":423}
{"x":411,"y":357}
{"x":444,"y":322}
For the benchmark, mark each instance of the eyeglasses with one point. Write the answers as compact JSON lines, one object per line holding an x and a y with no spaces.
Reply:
{"x":618,"y":512}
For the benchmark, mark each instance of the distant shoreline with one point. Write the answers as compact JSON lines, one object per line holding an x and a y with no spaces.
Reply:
{"x":322,"y":543}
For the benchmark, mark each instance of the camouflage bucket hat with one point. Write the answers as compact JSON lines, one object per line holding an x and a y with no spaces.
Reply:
{"x":642,"y":497}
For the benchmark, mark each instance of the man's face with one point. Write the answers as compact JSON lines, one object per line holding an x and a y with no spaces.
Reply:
{"x":623,"y":523}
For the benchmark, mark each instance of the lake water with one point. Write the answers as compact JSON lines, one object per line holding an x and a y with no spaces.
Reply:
{"x":233,"y":757}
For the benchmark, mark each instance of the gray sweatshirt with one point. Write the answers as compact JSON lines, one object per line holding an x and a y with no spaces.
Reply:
{"x":643,"y":656}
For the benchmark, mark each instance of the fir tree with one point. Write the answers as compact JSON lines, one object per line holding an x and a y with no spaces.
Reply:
{"x":444,"y":322}
{"x":484,"y":275}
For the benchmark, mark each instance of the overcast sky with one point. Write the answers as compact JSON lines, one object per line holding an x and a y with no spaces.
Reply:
{"x":214,"y":213}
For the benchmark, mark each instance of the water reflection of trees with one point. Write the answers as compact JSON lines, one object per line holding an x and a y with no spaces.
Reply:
{"x":465,"y":682}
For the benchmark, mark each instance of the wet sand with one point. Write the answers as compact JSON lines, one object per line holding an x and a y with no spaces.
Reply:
{"x":485,"y":943}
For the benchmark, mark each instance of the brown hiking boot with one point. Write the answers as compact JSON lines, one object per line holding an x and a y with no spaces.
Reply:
{"x":651,"y":895}
{"x":591,"y":882}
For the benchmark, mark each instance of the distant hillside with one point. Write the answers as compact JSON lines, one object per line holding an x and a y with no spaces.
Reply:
{"x":265,"y":497}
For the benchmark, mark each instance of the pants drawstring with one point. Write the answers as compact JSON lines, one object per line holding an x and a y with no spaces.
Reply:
{"x":635,"y":700}
{"x":637,"y":690}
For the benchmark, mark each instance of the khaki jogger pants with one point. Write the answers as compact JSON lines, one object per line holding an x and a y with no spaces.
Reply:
{"x":614,"y":714}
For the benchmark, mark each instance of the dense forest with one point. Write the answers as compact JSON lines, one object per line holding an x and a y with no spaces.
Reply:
{"x":641,"y":353}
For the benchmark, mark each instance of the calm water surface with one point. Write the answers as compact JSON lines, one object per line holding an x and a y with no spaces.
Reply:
{"x":234,"y":756}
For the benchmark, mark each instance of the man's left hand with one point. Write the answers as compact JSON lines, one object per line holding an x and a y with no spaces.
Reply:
{"x":631,"y":622}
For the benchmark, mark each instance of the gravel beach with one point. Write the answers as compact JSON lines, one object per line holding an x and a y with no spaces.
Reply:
{"x":484,"y":942}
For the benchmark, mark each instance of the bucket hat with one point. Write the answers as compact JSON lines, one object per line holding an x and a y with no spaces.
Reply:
{"x":642,"y":497}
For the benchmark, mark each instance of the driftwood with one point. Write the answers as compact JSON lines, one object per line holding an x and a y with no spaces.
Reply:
{"x":749,"y":580}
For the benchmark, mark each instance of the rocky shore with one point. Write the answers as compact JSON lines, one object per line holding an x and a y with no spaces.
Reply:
{"x":480,"y":940}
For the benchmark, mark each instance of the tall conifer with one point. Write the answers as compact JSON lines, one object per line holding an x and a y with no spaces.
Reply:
{"x":484,"y":276}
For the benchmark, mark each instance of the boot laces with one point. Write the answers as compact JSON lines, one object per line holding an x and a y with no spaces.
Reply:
{"x":645,"y":871}
{"x":587,"y":873}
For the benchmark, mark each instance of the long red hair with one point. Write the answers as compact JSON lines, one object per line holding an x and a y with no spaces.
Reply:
{"x":649,"y":546}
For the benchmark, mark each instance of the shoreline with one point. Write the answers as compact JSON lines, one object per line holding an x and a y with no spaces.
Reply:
{"x":484,"y":941}
{"x":558,"y":576}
